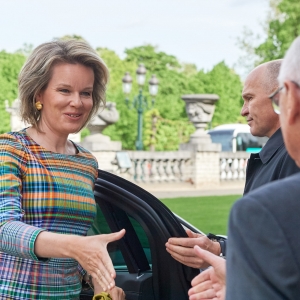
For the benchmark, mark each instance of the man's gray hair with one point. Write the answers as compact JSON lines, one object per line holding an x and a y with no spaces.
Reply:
{"x":290,"y":68}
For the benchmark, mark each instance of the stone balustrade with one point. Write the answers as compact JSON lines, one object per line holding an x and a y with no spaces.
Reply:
{"x":155,"y":167}
{"x":177,"y":166}
{"x":233,"y":165}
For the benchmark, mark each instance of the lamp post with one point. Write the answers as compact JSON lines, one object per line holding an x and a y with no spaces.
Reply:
{"x":139,"y":102}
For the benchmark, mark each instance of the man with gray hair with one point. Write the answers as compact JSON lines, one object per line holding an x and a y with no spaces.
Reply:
{"x":272,"y":163}
{"x":263,"y":259}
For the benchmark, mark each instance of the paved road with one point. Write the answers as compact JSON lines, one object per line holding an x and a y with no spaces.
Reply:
{"x":162,"y":191}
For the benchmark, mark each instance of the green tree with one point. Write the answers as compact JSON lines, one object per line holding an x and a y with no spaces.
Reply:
{"x":282,"y":29}
{"x":282,"y":26}
{"x":154,"y":60}
{"x":223,"y":81}
{"x":125,"y":129}
{"x":163,"y":134}
{"x":72,"y":37}
{"x":174,"y":81}
{"x":10,"y":66}
{"x":168,"y":101}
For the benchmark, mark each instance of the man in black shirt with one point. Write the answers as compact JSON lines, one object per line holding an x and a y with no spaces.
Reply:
{"x":263,"y":260}
{"x":272,"y":163}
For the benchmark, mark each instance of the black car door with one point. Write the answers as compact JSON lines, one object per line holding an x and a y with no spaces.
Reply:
{"x":145,"y":270}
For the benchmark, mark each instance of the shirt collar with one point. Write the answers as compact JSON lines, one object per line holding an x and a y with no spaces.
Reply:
{"x":272,"y":145}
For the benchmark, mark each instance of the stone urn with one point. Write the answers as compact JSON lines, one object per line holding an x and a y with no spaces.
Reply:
{"x":200,"y":109}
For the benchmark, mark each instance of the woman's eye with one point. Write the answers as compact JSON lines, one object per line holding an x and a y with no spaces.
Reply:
{"x":64,"y":91}
{"x":86,"y":94}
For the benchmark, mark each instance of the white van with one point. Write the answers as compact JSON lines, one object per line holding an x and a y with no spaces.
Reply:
{"x":236,"y":137}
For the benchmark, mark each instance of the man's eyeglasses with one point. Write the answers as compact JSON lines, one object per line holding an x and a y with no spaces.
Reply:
{"x":275,"y":100}
{"x":275,"y":97}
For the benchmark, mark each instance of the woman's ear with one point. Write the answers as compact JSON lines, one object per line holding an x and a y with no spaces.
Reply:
{"x":38,"y":97}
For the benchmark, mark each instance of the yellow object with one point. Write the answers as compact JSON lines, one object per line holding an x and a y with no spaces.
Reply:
{"x":38,"y":105}
{"x":102,"y":296}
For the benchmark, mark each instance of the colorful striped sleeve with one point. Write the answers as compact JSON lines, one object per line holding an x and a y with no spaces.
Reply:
{"x":16,"y":238}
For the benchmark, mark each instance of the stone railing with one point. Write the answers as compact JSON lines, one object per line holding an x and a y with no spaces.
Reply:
{"x":233,"y":165}
{"x":175,"y":166}
{"x":156,"y":167}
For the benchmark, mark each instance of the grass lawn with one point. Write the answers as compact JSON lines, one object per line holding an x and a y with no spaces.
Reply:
{"x":209,"y":213}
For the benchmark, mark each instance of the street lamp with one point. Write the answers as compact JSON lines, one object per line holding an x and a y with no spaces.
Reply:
{"x":140,"y":102}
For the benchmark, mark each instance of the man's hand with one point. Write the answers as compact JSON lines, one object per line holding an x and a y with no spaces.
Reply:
{"x":182,"y":249}
{"x":211,"y":283}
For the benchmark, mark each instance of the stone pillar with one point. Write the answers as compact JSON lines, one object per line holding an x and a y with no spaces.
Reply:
{"x":206,"y":155}
{"x":206,"y":168}
{"x":105,"y":159}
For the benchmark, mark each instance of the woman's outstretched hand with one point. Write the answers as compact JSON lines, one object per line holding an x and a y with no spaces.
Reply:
{"x":92,"y":255}
{"x":89,"y":251}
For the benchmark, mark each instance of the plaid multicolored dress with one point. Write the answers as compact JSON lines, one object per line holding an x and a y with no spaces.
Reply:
{"x":41,"y":190}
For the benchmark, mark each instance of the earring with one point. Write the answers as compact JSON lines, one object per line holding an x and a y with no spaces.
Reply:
{"x":38,"y":105}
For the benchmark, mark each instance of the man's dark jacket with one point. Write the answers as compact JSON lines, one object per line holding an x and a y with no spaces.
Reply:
{"x":263,"y":255}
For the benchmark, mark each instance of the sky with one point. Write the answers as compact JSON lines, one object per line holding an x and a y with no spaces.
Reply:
{"x":202,"y":32}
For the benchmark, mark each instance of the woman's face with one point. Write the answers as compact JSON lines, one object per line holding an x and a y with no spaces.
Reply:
{"x":67,"y":100}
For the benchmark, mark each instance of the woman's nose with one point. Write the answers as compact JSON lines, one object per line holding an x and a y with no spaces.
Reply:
{"x":76,"y":100}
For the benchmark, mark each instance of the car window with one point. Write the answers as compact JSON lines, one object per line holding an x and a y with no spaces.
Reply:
{"x":248,"y":142}
{"x":100,"y":226}
{"x":223,"y":137}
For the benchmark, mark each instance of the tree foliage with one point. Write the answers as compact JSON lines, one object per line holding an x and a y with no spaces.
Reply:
{"x":10,"y":65}
{"x":224,"y":82}
{"x":163,"y":134}
{"x":282,"y":29}
{"x":175,"y":80}
{"x":282,"y":26}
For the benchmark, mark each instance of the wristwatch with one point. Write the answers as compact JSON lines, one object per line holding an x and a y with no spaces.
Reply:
{"x":223,"y":248}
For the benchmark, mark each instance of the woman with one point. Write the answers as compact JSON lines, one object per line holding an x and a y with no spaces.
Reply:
{"x":46,"y":190}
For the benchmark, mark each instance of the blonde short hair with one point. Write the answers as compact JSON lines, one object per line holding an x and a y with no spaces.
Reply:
{"x":37,"y":71}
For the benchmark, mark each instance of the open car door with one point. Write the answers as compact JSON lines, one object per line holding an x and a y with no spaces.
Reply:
{"x":145,"y":270}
